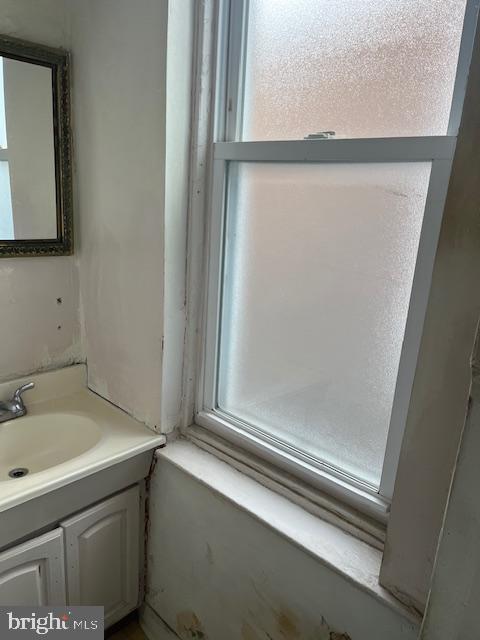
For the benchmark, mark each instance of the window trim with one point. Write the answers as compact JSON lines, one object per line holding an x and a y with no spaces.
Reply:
{"x":437,"y":149}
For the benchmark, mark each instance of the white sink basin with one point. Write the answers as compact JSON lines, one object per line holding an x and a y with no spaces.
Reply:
{"x":68,"y":434}
{"x":39,"y":442}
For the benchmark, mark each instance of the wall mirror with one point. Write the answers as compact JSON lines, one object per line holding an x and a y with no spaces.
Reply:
{"x":35,"y":150}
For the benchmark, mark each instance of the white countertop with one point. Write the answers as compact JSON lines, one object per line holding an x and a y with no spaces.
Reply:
{"x":64,"y":392}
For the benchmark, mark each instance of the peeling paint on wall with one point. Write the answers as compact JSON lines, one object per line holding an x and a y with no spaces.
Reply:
{"x":287,"y":624}
{"x":219,"y":572}
{"x":284,"y":624}
{"x":189,"y":626}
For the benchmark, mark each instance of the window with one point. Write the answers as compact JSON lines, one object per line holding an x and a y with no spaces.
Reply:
{"x":336,"y":124}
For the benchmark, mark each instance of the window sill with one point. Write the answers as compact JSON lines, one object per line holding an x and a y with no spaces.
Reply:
{"x":351,"y":500}
{"x":354,"y":559}
{"x":273,"y":475}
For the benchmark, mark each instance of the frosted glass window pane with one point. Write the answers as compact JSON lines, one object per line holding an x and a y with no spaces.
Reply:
{"x":318,"y":274}
{"x":361,"y":68}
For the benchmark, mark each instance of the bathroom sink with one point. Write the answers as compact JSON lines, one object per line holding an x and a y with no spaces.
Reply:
{"x":38,"y":442}
{"x":69,"y":434}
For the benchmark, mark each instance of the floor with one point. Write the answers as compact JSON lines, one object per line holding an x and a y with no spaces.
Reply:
{"x":129,"y":629}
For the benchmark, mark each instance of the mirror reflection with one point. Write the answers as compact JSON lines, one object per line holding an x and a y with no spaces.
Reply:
{"x":28,"y":208}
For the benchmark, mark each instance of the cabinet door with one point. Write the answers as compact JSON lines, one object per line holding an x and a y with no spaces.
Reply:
{"x":102,"y":555}
{"x":32,"y":573}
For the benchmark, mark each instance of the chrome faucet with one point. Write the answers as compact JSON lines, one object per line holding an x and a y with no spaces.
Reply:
{"x":15,"y":407}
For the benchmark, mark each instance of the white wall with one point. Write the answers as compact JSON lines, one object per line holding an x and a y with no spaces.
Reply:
{"x":217,"y":572}
{"x":121,"y":193}
{"x":453,"y":602}
{"x":439,"y":401}
{"x":37,"y":331}
{"x":119,"y":75}
{"x":452,"y":610}
{"x":42,"y":21}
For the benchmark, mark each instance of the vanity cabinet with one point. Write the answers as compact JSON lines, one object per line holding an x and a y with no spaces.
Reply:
{"x":92,"y":558}
{"x":102,"y":555}
{"x":32,"y":573}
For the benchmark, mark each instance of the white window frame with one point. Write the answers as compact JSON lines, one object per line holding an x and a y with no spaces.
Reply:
{"x":439,"y":150}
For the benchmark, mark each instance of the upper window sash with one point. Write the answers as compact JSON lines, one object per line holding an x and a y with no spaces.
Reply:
{"x":231,"y":60}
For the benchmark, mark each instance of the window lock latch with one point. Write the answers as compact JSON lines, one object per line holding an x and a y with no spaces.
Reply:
{"x":320,"y":135}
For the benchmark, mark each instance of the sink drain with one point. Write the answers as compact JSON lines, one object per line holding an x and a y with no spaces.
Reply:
{"x":19,"y":472}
